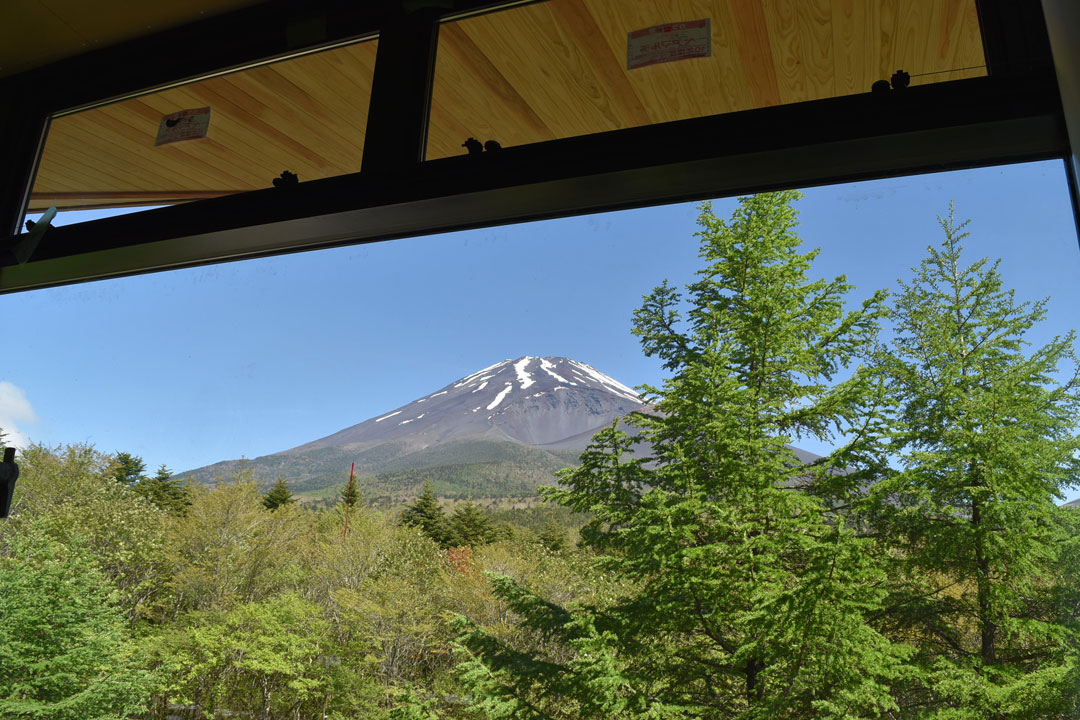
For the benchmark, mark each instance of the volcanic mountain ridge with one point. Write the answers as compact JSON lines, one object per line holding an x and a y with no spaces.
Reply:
{"x":506,"y":428}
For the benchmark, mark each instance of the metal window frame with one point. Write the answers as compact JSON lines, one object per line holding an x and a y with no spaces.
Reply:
{"x":1012,"y":115}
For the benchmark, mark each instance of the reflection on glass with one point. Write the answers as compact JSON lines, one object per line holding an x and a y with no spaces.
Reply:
{"x":306,"y":115}
{"x":564,"y":68}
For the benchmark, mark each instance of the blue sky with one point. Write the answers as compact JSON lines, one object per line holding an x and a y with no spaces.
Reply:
{"x":194,"y":366}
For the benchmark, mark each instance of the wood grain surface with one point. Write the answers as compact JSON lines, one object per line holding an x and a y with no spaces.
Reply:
{"x":539,"y":72}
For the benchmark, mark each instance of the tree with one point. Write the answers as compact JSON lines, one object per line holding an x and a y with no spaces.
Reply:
{"x":65,"y":652}
{"x":749,"y":599}
{"x":70,"y":493}
{"x":128,"y":469}
{"x":986,"y":441}
{"x":427,"y":514}
{"x":168,"y":494}
{"x":469,"y":524}
{"x":278,"y":495}
{"x":553,"y":537}
{"x":350,"y":494}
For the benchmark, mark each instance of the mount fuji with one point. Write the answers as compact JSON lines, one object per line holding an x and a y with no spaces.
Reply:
{"x":497,"y":432}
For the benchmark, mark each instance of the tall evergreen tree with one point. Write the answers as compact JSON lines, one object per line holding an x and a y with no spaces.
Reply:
{"x":752,"y":599}
{"x":427,"y":514}
{"x":128,"y":469}
{"x":986,"y":442}
{"x":469,"y":524}
{"x":278,"y":495}
{"x":350,"y":494}
{"x":172,"y":496}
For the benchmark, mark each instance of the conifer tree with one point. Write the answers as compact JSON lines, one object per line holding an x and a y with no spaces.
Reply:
{"x":470,"y":525}
{"x":752,"y":598}
{"x":553,"y":537}
{"x":349,"y":495}
{"x":986,"y":442}
{"x":172,"y":496}
{"x":278,"y":495}
{"x":427,"y":514}
{"x":128,"y":469}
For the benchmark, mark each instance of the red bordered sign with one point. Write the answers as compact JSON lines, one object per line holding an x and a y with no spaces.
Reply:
{"x":668,"y":43}
{"x":183,"y":125}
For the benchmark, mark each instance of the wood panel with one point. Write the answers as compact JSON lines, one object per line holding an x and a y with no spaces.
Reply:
{"x":564,"y":82}
{"x":539,"y":72}
{"x":305,"y":115}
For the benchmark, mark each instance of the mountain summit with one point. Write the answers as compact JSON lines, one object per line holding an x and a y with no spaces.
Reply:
{"x":542,"y":401}
{"x":498,"y":431}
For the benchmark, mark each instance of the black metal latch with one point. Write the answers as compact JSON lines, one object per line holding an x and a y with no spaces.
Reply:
{"x":9,"y":473}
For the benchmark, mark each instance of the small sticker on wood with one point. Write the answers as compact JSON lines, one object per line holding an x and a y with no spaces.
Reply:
{"x":183,"y":125}
{"x":668,"y":43}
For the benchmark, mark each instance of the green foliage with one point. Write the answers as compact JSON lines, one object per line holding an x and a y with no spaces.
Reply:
{"x":71,"y":495}
{"x":470,"y":524}
{"x":750,"y":599}
{"x":278,"y":495}
{"x":65,"y":651}
{"x":553,"y":537}
{"x":227,"y":549}
{"x":167,"y":493}
{"x":128,"y":469}
{"x":427,"y":515}
{"x":458,"y":470}
{"x":986,"y":442}
{"x":274,"y":656}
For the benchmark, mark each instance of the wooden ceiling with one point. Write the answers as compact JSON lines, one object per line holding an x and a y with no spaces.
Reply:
{"x":306,"y":115}
{"x":549,"y":70}
{"x":558,"y":69}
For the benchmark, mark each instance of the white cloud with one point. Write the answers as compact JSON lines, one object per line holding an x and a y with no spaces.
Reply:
{"x":15,"y":410}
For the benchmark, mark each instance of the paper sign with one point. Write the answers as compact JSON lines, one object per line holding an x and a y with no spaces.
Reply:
{"x":183,"y":125}
{"x":668,"y":43}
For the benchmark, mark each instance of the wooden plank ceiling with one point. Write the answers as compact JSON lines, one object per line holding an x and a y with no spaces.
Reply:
{"x":549,"y":70}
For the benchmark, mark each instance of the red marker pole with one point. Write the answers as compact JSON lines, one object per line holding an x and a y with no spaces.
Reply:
{"x":348,"y":499}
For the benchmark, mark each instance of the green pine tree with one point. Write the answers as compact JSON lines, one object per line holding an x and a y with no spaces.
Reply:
{"x":278,"y":495}
{"x":128,"y":469}
{"x":752,"y":598}
{"x":350,"y":494}
{"x":172,"y":496}
{"x":427,"y":514}
{"x":986,"y":442}
{"x":470,"y":525}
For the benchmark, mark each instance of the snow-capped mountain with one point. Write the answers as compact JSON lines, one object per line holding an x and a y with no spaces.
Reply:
{"x":501,"y":430}
{"x":541,"y":401}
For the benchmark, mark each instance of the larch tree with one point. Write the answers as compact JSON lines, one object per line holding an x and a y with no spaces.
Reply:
{"x":985,"y":443}
{"x":752,"y":595}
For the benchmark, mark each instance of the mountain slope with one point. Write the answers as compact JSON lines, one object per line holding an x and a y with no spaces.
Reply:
{"x":500,"y":431}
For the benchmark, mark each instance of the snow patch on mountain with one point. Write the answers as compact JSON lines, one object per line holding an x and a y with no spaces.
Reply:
{"x":465,"y":380}
{"x":617,"y":387}
{"x":523,"y":377}
{"x":549,"y":367}
{"x":499,"y":398}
